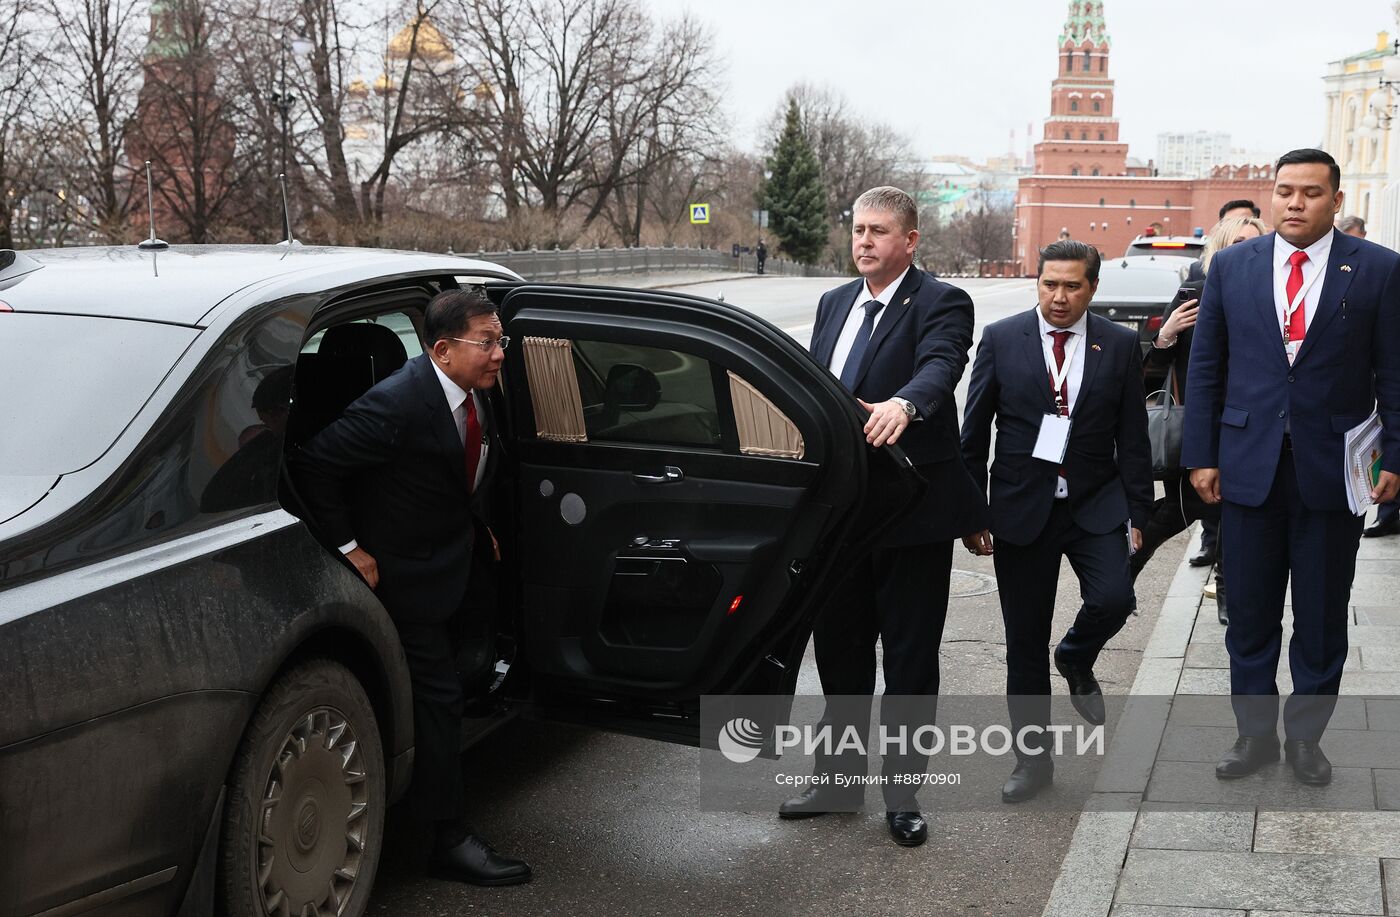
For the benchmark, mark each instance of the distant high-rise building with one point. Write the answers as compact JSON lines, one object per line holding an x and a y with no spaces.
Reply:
{"x":1191,"y":154}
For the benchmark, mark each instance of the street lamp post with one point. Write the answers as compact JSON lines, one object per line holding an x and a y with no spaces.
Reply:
{"x":300,"y":46}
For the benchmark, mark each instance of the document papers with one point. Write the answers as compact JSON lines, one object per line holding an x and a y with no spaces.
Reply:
{"x":1362,"y":450}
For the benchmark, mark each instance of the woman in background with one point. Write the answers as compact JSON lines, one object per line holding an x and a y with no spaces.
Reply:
{"x":1172,"y":350}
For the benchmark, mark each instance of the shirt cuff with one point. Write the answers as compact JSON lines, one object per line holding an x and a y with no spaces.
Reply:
{"x":349,"y":546}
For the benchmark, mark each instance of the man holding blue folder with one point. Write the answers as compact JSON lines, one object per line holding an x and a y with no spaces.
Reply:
{"x":1294,"y":346}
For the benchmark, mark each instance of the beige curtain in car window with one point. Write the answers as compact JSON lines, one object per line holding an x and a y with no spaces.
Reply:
{"x":763,"y":429}
{"x":549,"y":368}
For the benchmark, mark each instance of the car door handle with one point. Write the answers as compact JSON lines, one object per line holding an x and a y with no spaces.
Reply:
{"x":670,"y":475}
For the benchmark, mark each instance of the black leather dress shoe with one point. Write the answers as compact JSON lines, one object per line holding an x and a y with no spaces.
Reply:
{"x":819,"y":800}
{"x":1383,"y":528}
{"x":1084,"y":690}
{"x":907,"y":828}
{"x":475,"y":862}
{"x":1309,"y":764}
{"x":1247,"y":755}
{"x":1203,"y":559}
{"x":1027,"y":780}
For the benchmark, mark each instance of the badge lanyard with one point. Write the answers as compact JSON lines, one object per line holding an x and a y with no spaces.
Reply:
{"x":1059,"y":376}
{"x":1297,"y":303}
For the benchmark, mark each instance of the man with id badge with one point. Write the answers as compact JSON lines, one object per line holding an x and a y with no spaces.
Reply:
{"x":1071,"y":478}
{"x":1294,"y":345}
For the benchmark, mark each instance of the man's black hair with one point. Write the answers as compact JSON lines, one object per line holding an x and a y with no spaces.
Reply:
{"x":1072,"y":250}
{"x":1242,"y":202}
{"x":449,"y":312}
{"x":1302,"y":157}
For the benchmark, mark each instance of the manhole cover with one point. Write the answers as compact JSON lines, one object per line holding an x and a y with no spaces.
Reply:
{"x":967,"y":583}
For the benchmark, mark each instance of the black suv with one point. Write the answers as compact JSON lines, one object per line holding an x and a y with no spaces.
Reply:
{"x":205,"y":709}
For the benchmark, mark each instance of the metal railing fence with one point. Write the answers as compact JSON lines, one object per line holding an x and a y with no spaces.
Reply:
{"x":572,"y":263}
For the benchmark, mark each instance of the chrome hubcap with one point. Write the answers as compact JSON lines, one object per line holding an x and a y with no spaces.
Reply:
{"x":312,"y":822}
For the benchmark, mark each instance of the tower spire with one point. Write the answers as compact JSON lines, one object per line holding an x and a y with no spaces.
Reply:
{"x":1081,"y":134}
{"x":1085,"y":23}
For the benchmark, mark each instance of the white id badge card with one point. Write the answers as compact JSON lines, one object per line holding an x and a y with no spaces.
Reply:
{"x":1053,"y":441}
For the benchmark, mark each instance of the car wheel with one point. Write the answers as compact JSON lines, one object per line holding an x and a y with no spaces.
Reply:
{"x":305,"y":818}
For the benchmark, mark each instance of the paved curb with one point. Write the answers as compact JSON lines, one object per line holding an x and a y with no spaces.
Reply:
{"x":1089,"y":872}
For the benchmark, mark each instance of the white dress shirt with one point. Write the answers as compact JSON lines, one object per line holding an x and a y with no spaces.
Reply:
{"x":856,"y":316}
{"x":456,"y":402}
{"x":1318,"y":253}
{"x":1075,"y":380}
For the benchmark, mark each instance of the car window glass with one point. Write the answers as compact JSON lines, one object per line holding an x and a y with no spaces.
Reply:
{"x":651,"y":395}
{"x":1152,"y":283}
{"x":73,"y":383}
{"x":343,"y":361}
{"x":398,"y":322}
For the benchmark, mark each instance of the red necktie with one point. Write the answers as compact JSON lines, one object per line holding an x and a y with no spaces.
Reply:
{"x":1060,"y":338}
{"x":1297,"y":324}
{"x":473,"y":442}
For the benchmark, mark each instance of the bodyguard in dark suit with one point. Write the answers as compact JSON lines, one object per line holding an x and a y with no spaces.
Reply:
{"x":1082,"y":496}
{"x":398,"y":483}
{"x":1294,"y":345}
{"x":898,"y":339}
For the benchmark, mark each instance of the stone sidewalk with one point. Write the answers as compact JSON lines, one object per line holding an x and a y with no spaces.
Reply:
{"x":1162,"y":837}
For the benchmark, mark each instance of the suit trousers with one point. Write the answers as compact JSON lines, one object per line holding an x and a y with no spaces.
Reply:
{"x":1263,"y":545}
{"x":436,"y":793}
{"x":1028,"y":578}
{"x":898,"y":595}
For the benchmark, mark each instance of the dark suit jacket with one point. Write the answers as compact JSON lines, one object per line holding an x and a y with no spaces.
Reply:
{"x":1109,"y":461}
{"x":391,"y":474}
{"x":918,"y":351}
{"x":1242,"y":388}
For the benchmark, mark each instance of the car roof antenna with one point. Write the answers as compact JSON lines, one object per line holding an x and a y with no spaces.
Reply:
{"x":151,"y":244}
{"x":286,"y":212}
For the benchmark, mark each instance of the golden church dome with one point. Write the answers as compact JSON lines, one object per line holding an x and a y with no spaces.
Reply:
{"x":431,"y":45}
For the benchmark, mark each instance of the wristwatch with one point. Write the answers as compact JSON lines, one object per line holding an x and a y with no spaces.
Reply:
{"x":909,"y":410}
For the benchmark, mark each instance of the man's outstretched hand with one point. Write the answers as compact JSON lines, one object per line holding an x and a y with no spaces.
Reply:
{"x":887,"y":421}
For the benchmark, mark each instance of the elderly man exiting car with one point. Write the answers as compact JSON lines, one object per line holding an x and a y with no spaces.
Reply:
{"x":397,"y":484}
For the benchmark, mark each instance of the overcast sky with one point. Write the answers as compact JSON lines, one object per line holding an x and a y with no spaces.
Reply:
{"x":956,"y":77}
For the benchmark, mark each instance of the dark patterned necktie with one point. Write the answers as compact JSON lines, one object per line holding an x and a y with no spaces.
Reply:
{"x":858,"y":347}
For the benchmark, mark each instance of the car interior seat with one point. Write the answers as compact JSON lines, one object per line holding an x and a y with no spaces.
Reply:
{"x":351,"y":359}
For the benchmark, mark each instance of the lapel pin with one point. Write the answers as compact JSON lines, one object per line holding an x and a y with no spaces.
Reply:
{"x":1347,"y":268}
{"x":907,"y":298}
{"x":1095,"y":347}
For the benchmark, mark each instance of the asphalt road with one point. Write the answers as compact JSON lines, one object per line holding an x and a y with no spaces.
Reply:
{"x":611,"y":824}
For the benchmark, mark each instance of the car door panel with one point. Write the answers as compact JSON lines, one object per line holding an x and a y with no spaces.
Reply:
{"x":655,"y":572}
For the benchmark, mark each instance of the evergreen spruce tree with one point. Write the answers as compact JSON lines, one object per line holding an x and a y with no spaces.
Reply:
{"x":794,"y":195}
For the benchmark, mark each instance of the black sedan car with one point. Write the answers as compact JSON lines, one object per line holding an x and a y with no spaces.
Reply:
{"x":206,"y":711}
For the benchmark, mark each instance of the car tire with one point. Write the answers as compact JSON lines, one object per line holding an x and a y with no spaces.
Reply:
{"x":310,"y":761}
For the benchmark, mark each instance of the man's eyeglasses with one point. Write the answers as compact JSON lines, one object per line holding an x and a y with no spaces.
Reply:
{"x":487,"y":346}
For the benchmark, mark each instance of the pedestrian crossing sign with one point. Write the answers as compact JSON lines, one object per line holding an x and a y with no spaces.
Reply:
{"x":699,"y":213}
